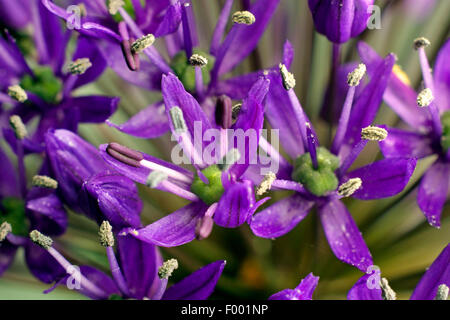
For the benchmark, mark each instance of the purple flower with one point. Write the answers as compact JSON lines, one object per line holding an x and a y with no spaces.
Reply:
{"x":434,"y":283}
{"x":44,"y":92}
{"x":138,"y":272}
{"x":320,"y":177}
{"x":204,"y":82}
{"x":217,"y":192}
{"x":429,"y":132}
{"x":303,"y":291}
{"x":340,"y":20}
{"x":88,"y":184}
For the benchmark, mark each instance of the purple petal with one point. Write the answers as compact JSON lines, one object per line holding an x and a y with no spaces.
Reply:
{"x":93,"y":109}
{"x":361,"y":290}
{"x":198,"y":285}
{"x":7,"y":254}
{"x":438,"y":273}
{"x":9,"y":13}
{"x":115,"y":198}
{"x":242,"y":39}
{"x":400,"y":143}
{"x":86,"y":48}
{"x":48,"y":214}
{"x":237,"y":88}
{"x":281,"y":217}
{"x":170,"y":22}
{"x":12,"y":58}
{"x":174,"y":95}
{"x":148,"y":123}
{"x":384,"y":178}
{"x":304,"y":290}
{"x":138,"y":260}
{"x":442,"y":78}
{"x":367,"y":104}
{"x":433,"y":191}
{"x":41,"y":264}
{"x":175,"y":229}
{"x":398,"y":95}
{"x":343,"y":235}
{"x":9,"y":186}
{"x":235,"y":205}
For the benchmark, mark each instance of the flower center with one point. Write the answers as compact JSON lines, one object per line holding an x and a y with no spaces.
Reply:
{"x":185,"y":71}
{"x":44,"y":84}
{"x":321,"y":180}
{"x":211,"y":192}
{"x":12,"y":210}
{"x":445,"y":139}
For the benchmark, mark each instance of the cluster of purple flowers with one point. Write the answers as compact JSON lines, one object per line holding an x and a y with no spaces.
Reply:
{"x":39,"y":114}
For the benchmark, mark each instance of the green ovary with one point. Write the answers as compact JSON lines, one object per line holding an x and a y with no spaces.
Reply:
{"x":186,"y":73}
{"x":445,"y":139}
{"x":12,"y":210}
{"x":317,"y":181}
{"x":44,"y":84}
{"x":209,"y":193}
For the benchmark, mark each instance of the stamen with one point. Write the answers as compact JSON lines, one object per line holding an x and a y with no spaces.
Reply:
{"x":235,"y":110}
{"x":373,"y":133}
{"x":187,"y":38}
{"x":442,"y":292}
{"x":350,"y":187}
{"x":19,"y":128}
{"x":243,"y":17}
{"x":5,"y":229}
{"x":114,"y":5}
{"x":79,"y":66}
{"x":44,"y":182}
{"x":176,"y":115}
{"x":356,"y":75}
{"x":205,"y":224}
{"x":421,"y":43}
{"x":312,"y":142}
{"x":266,"y":184}
{"x":166,"y":270}
{"x":288,"y":78}
{"x":224,"y":112}
{"x":17,"y":93}
{"x":124,"y":154}
{"x":155,"y":178}
{"x":386,"y":290}
{"x":106,"y":234}
{"x":197,"y":60}
{"x":425,"y":97}
{"x":229,"y":159}
{"x":142,"y":43}
{"x":41,"y":240}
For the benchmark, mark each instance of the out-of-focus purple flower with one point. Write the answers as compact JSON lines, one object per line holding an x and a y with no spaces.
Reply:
{"x":429,"y":124}
{"x":88,"y":184}
{"x":44,"y":92}
{"x":217,"y":192}
{"x":138,"y":272}
{"x":340,"y":20}
{"x":303,"y":291}
{"x":434,"y":283}
{"x":321,"y":177}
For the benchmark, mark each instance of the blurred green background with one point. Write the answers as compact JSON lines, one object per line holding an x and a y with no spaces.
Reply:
{"x":402,"y":243}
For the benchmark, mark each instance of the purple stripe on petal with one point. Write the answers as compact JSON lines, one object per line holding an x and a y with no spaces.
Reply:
{"x":304,"y":290}
{"x":175,"y":229}
{"x":433,"y":191}
{"x":151,"y":122}
{"x":400,"y":143}
{"x":281,"y":217}
{"x":438,"y":273}
{"x":384,"y":178}
{"x":343,"y":235}
{"x":198,"y":285}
